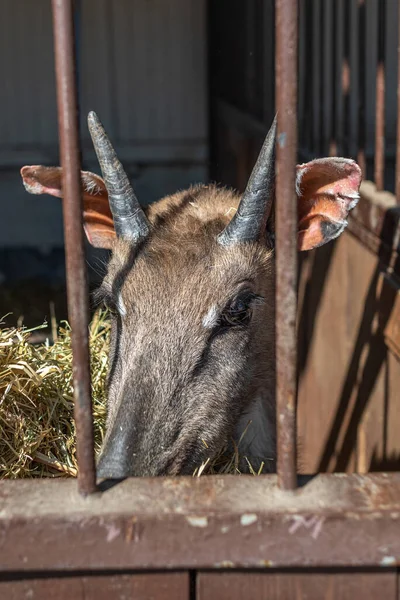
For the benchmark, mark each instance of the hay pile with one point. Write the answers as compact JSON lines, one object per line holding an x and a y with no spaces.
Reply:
{"x":37,"y":430}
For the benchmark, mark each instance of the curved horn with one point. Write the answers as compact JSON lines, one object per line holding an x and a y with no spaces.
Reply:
{"x":249,"y":222}
{"x":130,"y":222}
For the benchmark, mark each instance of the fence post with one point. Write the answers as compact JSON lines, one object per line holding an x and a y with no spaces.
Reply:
{"x":77,"y":284}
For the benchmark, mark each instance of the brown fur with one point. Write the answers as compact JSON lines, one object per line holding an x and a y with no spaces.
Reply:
{"x":167,"y":288}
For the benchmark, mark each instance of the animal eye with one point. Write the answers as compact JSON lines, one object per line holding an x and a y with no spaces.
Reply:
{"x":239,"y":311}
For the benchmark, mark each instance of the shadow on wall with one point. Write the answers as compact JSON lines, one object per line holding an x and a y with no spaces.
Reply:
{"x":312,"y":294}
{"x":390,"y":462}
{"x":369,"y":355}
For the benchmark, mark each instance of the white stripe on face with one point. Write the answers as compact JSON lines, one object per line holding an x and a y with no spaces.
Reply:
{"x":121,"y":306}
{"x":211,"y":318}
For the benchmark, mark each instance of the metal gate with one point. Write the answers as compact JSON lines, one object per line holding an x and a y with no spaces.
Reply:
{"x":284,"y":536}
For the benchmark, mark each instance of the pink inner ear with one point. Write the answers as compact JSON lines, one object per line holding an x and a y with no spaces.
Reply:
{"x":327,"y":190}
{"x":42,"y":180}
{"x":98,"y":221}
{"x":337,"y":177}
{"x":99,"y":236}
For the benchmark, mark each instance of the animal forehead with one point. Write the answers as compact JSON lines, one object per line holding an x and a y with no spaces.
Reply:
{"x":196,"y":273}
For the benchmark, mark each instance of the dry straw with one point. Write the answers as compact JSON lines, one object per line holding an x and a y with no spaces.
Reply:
{"x":37,"y":430}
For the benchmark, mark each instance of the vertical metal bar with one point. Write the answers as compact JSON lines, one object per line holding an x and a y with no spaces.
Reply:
{"x":338,"y":44}
{"x":398,"y":111}
{"x":328,"y":61}
{"x":316,"y":74}
{"x":77,"y":285}
{"x":380,"y":102}
{"x":77,"y":5}
{"x":302,"y":72}
{"x":361,"y":88}
{"x":306,"y":84}
{"x":354,"y":61}
{"x":346,"y":79}
{"x":286,"y":239}
{"x":333,"y":142}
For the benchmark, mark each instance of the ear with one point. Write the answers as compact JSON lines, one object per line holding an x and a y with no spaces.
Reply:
{"x":97,"y":217}
{"x":327,"y":189}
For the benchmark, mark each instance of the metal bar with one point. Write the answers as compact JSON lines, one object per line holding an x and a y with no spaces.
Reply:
{"x":333,"y":143}
{"x":302,"y":72}
{"x":214,"y":522}
{"x":379,"y":173}
{"x":77,"y":285}
{"x":316,"y":75}
{"x":398,"y":112}
{"x":361,"y":88}
{"x":346,"y":78}
{"x":307,"y":116}
{"x":327,"y":88}
{"x":338,"y":42}
{"x":354,"y":61}
{"x":286,"y":239}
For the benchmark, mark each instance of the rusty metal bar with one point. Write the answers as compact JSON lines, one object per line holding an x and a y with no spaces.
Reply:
{"x":338,"y":42}
{"x":379,"y":170}
{"x":398,"y":113}
{"x":77,"y":285}
{"x":316,"y":69}
{"x":346,"y":79}
{"x":286,"y":239}
{"x":333,"y":142}
{"x":361,"y":159}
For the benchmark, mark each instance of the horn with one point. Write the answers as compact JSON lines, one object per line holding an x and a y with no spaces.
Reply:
{"x":249,"y":222}
{"x":130,"y":222}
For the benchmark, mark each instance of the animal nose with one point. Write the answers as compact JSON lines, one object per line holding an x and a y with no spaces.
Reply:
{"x":108,"y":468}
{"x":116,"y":455}
{"x":114,"y":460}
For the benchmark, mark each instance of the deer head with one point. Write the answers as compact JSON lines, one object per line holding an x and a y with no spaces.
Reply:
{"x":190,"y":284}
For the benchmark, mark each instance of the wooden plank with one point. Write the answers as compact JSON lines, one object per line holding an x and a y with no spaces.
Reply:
{"x":379,"y":386}
{"x":141,"y":586}
{"x":201,"y":523}
{"x":323,"y":359}
{"x":349,"y":329}
{"x":398,"y":585}
{"x":363,"y":381}
{"x":391,"y":455}
{"x":350,"y":585}
{"x":390,"y":314}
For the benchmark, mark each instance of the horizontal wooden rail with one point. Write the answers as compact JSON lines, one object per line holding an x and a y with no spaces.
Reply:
{"x":212,"y":522}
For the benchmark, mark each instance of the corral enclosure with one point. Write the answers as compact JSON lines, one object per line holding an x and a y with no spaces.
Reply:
{"x":335,"y":536}
{"x":348,"y":365}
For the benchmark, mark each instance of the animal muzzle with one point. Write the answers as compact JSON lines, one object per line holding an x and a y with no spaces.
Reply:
{"x":120,"y":458}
